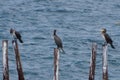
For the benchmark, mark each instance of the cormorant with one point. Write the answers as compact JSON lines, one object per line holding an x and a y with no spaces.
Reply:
{"x":58,"y":41}
{"x":107,"y":37}
{"x":16,"y":35}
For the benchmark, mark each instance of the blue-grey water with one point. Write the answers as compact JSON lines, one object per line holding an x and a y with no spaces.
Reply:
{"x":78,"y":23}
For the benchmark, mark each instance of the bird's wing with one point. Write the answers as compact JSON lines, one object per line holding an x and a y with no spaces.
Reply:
{"x":58,"y":41}
{"x":108,"y":39}
{"x":17,"y":34}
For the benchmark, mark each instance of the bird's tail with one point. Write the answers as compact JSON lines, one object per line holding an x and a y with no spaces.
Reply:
{"x":63,"y":50}
{"x":20,"y":40}
{"x":112,"y":46}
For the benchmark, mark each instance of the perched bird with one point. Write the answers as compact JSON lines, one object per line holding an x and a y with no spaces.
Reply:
{"x":107,"y":37}
{"x":16,"y":35}
{"x":58,"y":41}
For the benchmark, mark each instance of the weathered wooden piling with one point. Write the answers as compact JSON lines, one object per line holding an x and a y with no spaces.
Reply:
{"x":5,"y":60}
{"x":105,"y":63}
{"x":18,"y":62}
{"x":56,"y":64}
{"x":93,"y":62}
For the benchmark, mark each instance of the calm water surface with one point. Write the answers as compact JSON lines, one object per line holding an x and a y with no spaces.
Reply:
{"x":78,"y":23}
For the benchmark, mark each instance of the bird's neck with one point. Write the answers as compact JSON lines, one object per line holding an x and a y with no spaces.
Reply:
{"x":103,"y":33}
{"x":54,"y":33}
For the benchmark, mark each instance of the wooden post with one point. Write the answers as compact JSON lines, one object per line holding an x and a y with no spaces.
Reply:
{"x":92,"y":62}
{"x":5,"y":60}
{"x":56,"y":64}
{"x":18,"y":62}
{"x":105,"y":63}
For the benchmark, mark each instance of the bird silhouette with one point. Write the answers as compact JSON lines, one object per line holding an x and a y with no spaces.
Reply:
{"x":58,"y":41}
{"x":107,"y":37}
{"x":16,"y":35}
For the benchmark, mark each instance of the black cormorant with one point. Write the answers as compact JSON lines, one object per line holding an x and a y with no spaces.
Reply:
{"x":107,"y":37}
{"x":16,"y":35}
{"x":58,"y":41}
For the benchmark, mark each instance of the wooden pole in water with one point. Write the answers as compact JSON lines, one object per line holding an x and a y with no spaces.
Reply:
{"x":5,"y":60}
{"x":56,"y":64}
{"x":18,"y":62}
{"x":105,"y":63}
{"x":92,"y":62}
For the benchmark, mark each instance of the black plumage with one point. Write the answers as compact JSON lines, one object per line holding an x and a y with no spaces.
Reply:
{"x":58,"y":41}
{"x":107,"y":37}
{"x":16,"y":35}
